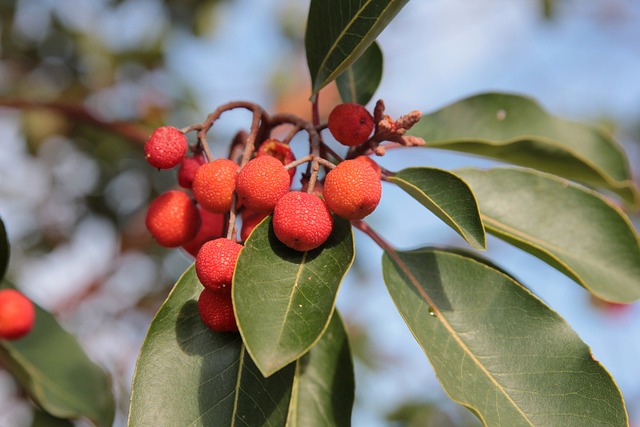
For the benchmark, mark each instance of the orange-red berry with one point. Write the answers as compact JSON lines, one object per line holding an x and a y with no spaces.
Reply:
{"x":352,"y":189}
{"x":173,"y":219}
{"x":188,"y":168}
{"x":249,"y":222}
{"x":17,"y":314}
{"x":216,"y":311}
{"x":215,"y":263}
{"x":350,"y":124}
{"x":213,"y":185}
{"x":279,"y":150}
{"x":211,"y":227}
{"x":261,"y":183}
{"x":372,"y":163}
{"x":165,"y":148}
{"x":302,"y":221}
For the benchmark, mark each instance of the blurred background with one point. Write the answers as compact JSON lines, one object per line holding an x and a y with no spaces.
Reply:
{"x":82,"y":84}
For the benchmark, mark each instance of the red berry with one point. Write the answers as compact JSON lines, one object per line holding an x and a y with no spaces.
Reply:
{"x":166,"y":147}
{"x":261,"y":183}
{"x":173,"y":219}
{"x":188,"y":168}
{"x":17,"y":314}
{"x":211,"y":227}
{"x":249,"y":222}
{"x":279,"y":150}
{"x":216,"y":311}
{"x":372,"y":163}
{"x":352,"y":189}
{"x":214,"y":184}
{"x":215,"y":263}
{"x":350,"y":124}
{"x":302,"y":221}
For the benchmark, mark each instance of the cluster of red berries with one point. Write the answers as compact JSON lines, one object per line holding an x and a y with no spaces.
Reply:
{"x":17,"y":314}
{"x":301,"y":220}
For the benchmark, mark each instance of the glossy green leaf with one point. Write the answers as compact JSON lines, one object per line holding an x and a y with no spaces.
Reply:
{"x":339,"y":31}
{"x":188,"y":375}
{"x":496,"y":348}
{"x":284,"y":298}
{"x":4,"y":250}
{"x":57,"y":374}
{"x":361,"y":80}
{"x":517,"y":130}
{"x":323,"y":391}
{"x":571,"y":228}
{"x":448,"y":197}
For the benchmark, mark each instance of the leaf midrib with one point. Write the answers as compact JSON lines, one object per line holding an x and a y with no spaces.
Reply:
{"x":439,"y":316}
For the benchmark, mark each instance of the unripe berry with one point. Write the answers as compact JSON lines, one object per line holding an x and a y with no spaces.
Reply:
{"x":249,"y":222}
{"x":302,"y":221}
{"x":165,"y":148}
{"x":173,"y":219}
{"x":213,"y":185}
{"x":188,"y":168}
{"x":17,"y":314}
{"x":261,"y":183}
{"x":279,"y":150}
{"x":216,"y":311}
{"x":352,"y":189}
{"x":215,"y":263}
{"x":350,"y":124}
{"x":211,"y":227}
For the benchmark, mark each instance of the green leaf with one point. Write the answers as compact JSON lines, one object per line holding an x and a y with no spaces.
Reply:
{"x":360,"y":81}
{"x":339,"y":31}
{"x":448,"y":197}
{"x":323,"y":391}
{"x":57,"y":374}
{"x":284,"y":298}
{"x":4,"y":250}
{"x":496,"y":348}
{"x":43,"y":419}
{"x":569,"y":227}
{"x":189,"y":375}
{"x":515,"y":129}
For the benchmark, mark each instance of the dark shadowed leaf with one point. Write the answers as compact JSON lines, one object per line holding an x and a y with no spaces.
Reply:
{"x":4,"y":250}
{"x":284,"y":298}
{"x":571,"y":228}
{"x":339,"y":31}
{"x":57,"y":374}
{"x":517,"y":130}
{"x":496,"y":348}
{"x":323,"y":391}
{"x":42,"y":419}
{"x":448,"y":197}
{"x":360,"y":81}
{"x":188,"y":375}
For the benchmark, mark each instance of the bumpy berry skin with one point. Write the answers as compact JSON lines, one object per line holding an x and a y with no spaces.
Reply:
{"x":216,"y":311}
{"x":188,"y":168}
{"x":279,"y":150}
{"x":302,"y":221}
{"x":261,"y":183}
{"x":165,"y":148}
{"x":372,"y":163}
{"x":249,"y":222}
{"x":213,"y":185}
{"x":215,"y":263}
{"x":211,"y":227}
{"x":352,"y":189}
{"x":17,"y":314}
{"x":173,"y":219}
{"x":350,"y":124}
